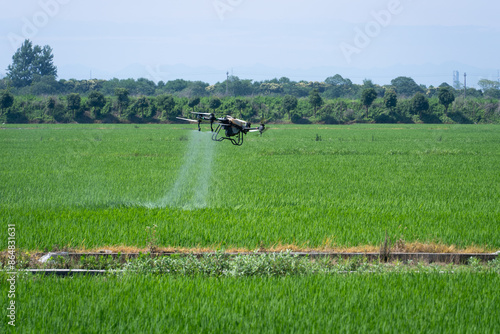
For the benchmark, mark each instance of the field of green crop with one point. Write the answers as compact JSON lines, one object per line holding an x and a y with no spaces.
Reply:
{"x":355,"y":303}
{"x":89,"y":186}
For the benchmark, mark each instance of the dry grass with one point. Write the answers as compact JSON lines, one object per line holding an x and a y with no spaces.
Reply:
{"x":418,"y":247}
{"x":399,"y":247}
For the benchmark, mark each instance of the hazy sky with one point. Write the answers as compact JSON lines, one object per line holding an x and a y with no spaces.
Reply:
{"x":236,"y":34}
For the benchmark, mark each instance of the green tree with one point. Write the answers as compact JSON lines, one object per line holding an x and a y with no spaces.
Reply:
{"x":167,"y":103}
{"x":30,"y":63}
{"x":122,"y":95}
{"x":97,"y":101}
{"x":73,"y":101}
{"x":6,"y":100}
{"x":193,"y":102}
{"x":368,"y":83}
{"x":289,"y":103}
{"x":489,"y":87}
{"x":367,"y":97}
{"x":214,"y":103}
{"x":446,"y":97}
{"x":338,"y":87}
{"x":486,"y":84}
{"x":197,"y":88}
{"x":336,"y":80}
{"x":284,"y":80}
{"x":145,"y":86}
{"x":46,"y":85}
{"x":175,"y":86}
{"x":240,"y":87}
{"x":419,"y":104}
{"x":390,"y":99}
{"x":315,"y":100}
{"x":240,"y":104}
{"x":406,"y":86}
{"x":50,"y":104}
{"x":141,"y":104}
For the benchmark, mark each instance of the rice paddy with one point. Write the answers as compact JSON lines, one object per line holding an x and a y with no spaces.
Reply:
{"x":356,"y":303}
{"x":317,"y":186}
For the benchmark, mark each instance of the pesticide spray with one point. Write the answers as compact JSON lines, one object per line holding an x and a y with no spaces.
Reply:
{"x":191,"y":189}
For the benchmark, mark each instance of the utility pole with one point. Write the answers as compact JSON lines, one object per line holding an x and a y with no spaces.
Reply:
{"x":465,"y":85}
{"x":227,"y":83}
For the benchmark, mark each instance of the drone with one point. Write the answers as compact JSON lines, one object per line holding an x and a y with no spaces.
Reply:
{"x":234,"y":128}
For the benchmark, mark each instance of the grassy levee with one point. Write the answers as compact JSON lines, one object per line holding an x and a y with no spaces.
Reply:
{"x":352,"y":303}
{"x":90,"y":186}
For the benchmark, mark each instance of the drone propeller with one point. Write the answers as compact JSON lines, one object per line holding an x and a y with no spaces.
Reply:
{"x":260,"y":129}
{"x":201,"y":116}
{"x":202,"y":113}
{"x":187,"y":119}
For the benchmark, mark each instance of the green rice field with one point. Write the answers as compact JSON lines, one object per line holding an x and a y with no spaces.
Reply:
{"x":355,"y":303}
{"x":90,"y":186}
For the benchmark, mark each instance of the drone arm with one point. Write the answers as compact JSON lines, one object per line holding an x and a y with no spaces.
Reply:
{"x":260,"y":129}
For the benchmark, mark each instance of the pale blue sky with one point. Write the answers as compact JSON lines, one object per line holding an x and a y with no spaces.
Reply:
{"x":283,"y":37}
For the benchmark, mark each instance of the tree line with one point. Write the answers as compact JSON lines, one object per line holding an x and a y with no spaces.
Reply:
{"x":31,"y":93}
{"x":122,"y":107}
{"x":332,"y":87}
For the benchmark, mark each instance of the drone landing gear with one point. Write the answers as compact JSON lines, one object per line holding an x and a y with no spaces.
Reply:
{"x":236,"y":140}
